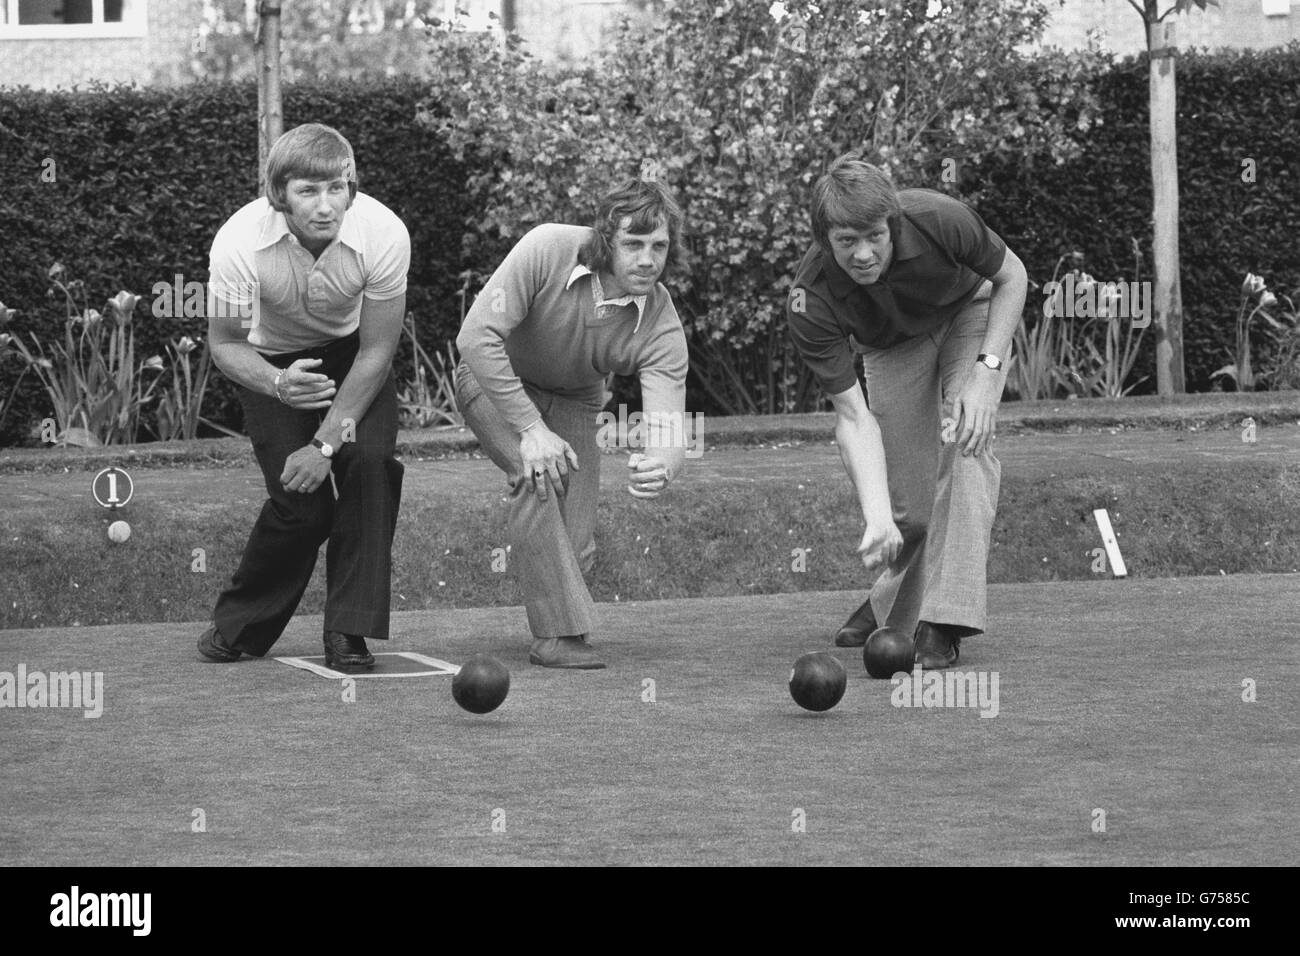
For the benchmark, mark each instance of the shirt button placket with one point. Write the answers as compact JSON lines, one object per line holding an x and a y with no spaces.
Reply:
{"x":316,"y":292}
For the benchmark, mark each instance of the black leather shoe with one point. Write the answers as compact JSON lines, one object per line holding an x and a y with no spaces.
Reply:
{"x":346,"y":650}
{"x":213,"y":648}
{"x":859,"y":627}
{"x":938,"y":645}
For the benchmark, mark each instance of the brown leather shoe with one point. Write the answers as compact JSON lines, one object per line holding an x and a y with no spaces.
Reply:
{"x":860,"y":626}
{"x":938,"y":645}
{"x":213,"y":648}
{"x":346,"y":650}
{"x":571,"y":653}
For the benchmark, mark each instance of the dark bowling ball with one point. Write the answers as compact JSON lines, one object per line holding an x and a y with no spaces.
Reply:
{"x":888,"y":651}
{"x":481,"y":684}
{"x":817,"y":681}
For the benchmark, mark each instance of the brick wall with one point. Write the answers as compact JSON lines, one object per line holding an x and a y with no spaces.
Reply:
{"x":1234,"y":24}
{"x":47,"y":64}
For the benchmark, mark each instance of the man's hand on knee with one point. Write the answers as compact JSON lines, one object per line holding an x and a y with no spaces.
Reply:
{"x":976,"y":409}
{"x":305,"y":470}
{"x":545,"y":454}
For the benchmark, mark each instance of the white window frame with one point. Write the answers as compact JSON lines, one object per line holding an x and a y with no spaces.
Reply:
{"x":134,"y":23}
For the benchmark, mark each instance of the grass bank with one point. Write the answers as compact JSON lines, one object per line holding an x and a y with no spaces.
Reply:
{"x":706,"y":540}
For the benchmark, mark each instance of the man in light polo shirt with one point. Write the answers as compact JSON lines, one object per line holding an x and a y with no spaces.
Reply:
{"x":322,"y":270}
{"x":929,"y":296}
{"x":568,"y":307}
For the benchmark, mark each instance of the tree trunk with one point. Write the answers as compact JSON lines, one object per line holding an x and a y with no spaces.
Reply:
{"x":1167,"y":298}
{"x":270,"y":109}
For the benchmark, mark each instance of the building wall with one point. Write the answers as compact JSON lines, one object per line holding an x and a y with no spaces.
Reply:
{"x":161,"y":52}
{"x":569,"y":30}
{"x":1234,"y":23}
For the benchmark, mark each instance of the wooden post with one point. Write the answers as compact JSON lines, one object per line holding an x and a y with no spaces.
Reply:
{"x":508,"y":17}
{"x":270,"y":109}
{"x":1167,"y":297}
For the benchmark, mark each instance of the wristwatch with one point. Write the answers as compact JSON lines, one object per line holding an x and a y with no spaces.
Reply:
{"x":325,"y":449}
{"x":991,"y":361}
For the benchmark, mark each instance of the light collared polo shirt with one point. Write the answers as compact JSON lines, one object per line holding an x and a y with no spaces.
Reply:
{"x":303,"y":301}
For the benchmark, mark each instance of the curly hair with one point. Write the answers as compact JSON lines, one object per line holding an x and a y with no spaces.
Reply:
{"x":645,"y":205}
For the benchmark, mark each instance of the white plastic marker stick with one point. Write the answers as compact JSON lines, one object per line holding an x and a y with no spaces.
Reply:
{"x":1112,"y":546}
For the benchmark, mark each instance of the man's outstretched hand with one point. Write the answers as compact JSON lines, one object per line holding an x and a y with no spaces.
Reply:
{"x":880,"y":544}
{"x":648,"y":477}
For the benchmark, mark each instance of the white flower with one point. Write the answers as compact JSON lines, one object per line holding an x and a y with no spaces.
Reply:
{"x":154,"y":363}
{"x":123,"y":305}
{"x":1267,"y":299}
{"x":1253,"y":284}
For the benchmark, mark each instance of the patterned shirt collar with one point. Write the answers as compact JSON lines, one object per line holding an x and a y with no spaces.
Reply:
{"x":599,"y":294}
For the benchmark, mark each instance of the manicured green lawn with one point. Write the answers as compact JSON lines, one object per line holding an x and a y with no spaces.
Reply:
{"x":1116,"y":706}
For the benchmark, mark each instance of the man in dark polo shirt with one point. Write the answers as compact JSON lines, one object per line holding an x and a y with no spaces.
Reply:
{"x":929,"y":296}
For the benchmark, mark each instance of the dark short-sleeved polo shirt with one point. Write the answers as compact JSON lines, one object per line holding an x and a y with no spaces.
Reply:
{"x":943,"y":252}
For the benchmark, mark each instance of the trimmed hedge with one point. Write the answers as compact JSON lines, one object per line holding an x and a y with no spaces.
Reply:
{"x":1232,"y":106}
{"x":143,"y":178}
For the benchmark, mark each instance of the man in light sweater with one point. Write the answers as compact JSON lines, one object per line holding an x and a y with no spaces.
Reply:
{"x":569,"y":307}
